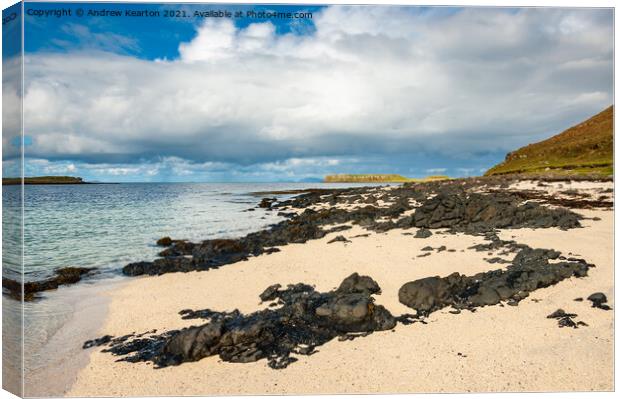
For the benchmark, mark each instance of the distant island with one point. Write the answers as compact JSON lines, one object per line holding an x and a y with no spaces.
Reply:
{"x":12,"y":181}
{"x":377,"y":178}
{"x":584,"y":149}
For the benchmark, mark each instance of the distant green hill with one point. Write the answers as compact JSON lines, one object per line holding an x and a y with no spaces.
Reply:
{"x":43,"y":180}
{"x":586,"y":148}
{"x":377,"y":178}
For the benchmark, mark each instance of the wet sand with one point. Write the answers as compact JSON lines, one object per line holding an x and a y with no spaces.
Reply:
{"x":509,"y":348}
{"x":54,"y":362}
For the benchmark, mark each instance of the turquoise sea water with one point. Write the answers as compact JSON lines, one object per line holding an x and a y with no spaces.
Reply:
{"x":107,"y":226}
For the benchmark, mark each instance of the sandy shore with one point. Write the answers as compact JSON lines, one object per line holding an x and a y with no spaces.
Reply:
{"x":497,"y":348}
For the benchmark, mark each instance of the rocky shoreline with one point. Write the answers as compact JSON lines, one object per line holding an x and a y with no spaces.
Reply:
{"x":473,"y":205}
{"x":299,"y":319}
{"x":444,"y":204}
{"x":28,"y":291}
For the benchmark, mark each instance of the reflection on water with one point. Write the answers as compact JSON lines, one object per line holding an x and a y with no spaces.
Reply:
{"x":107,"y":226}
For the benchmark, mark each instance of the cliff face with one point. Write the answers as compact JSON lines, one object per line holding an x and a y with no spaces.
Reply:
{"x":586,"y":148}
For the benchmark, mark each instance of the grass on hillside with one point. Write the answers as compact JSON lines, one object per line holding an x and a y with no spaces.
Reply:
{"x":586,"y":148}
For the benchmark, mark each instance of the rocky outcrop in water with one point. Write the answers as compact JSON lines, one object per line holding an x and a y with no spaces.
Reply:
{"x":63,"y":276}
{"x":164,"y":241}
{"x":267,"y":202}
{"x":303,"y":320}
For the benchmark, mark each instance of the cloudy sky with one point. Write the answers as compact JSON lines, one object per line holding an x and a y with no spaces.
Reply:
{"x":406,"y":90}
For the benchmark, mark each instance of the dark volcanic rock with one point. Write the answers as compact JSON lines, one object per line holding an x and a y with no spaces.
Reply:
{"x":271,"y":251}
{"x":497,"y":260}
{"x":270,"y":293}
{"x":339,"y":228}
{"x":581,"y":202}
{"x":529,"y":271}
{"x":63,"y":276}
{"x":306,"y":320}
{"x":267,"y":202}
{"x":178,"y":248}
{"x":338,"y":239}
{"x":164,"y":241}
{"x":423,"y":233}
{"x":97,"y":341}
{"x":426,"y":294}
{"x":598,"y":300}
{"x":565,"y":319}
{"x":137,"y":268}
{"x":474,"y":212}
{"x":359,"y":284}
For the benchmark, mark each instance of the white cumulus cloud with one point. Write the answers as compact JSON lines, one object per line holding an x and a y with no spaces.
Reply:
{"x":380,"y":80}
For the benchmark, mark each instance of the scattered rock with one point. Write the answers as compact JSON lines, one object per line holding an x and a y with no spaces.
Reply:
{"x":306,"y":320}
{"x":270,"y":293}
{"x":339,"y":228}
{"x":598,"y":300}
{"x":529,"y":271}
{"x":496,"y":260}
{"x":566,"y":319}
{"x":338,"y":239}
{"x":97,"y":341}
{"x":423,"y":233}
{"x":267,"y":202}
{"x":271,"y":251}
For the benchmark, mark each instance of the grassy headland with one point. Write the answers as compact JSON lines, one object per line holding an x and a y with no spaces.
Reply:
{"x":43,"y":180}
{"x":586,"y":148}
{"x":377,"y":178}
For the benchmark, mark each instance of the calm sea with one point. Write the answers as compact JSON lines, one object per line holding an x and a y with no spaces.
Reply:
{"x":107,"y":226}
